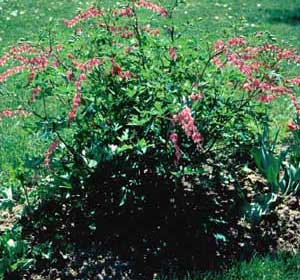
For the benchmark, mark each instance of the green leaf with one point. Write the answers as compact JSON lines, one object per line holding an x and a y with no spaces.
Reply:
{"x":124,"y":148}
{"x":220,"y":237}
{"x":135,"y":121}
{"x":22,"y":264}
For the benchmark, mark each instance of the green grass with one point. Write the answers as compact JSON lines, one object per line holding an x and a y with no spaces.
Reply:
{"x":27,"y":18}
{"x":280,"y":17}
{"x":22,"y":18}
{"x":281,"y":268}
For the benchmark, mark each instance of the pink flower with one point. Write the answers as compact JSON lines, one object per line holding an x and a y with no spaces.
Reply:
{"x":196,"y":96}
{"x":186,"y":121}
{"x":16,"y":52}
{"x":270,"y":47}
{"x":82,"y":77}
{"x":76,"y":102}
{"x":59,"y":48}
{"x":11,"y":71}
{"x":93,"y":62}
{"x":295,"y":104}
{"x":286,"y":54}
{"x":247,"y":86}
{"x":71,"y":116}
{"x":153,"y":7}
{"x":197,"y":137}
{"x":89,"y":13}
{"x":126,"y":12}
{"x":151,"y":31}
{"x":70,"y":56}
{"x":281,"y":89}
{"x":174,"y":139}
{"x":31,"y":75}
{"x":294,"y":81}
{"x":12,"y":113}
{"x":127,"y":35}
{"x":55,"y":63}
{"x":117,"y":71}
{"x":38,"y":62}
{"x":35,"y":92}
{"x":4,"y":59}
{"x":172,"y":53}
{"x":266,"y":98}
{"x":69,"y":75}
{"x":292,"y":126}
{"x":116,"y":68}
{"x":217,"y":61}
{"x":49,"y":152}
{"x":236,"y":41}
{"x":127,"y":75}
{"x":88,"y":66}
{"x":218,"y":46}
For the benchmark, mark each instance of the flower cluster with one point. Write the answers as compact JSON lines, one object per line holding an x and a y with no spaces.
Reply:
{"x":196,"y":95}
{"x":35,"y":92}
{"x":123,"y":31}
{"x":88,"y":66}
{"x":29,"y":58}
{"x":89,"y":13}
{"x":186,"y":121}
{"x":153,"y":7}
{"x":250,"y":63}
{"x":293,"y":126}
{"x":76,"y":102}
{"x":151,"y":31}
{"x":4,"y":59}
{"x":16,"y":53}
{"x":294,"y":81}
{"x":49,"y":152}
{"x":116,"y":70}
{"x":173,"y":54}
{"x":236,"y":41}
{"x":125,"y":12}
{"x":174,"y":139}
{"x":11,"y":71}
{"x":12,"y":113}
{"x":84,"y":68}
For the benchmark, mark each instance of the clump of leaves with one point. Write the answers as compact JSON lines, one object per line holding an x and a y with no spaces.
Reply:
{"x":13,"y":252}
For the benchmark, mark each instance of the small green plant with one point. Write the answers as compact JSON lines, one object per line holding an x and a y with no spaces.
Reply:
{"x":283,"y":176}
{"x":6,"y":198}
{"x":13,"y":251}
{"x":267,"y":162}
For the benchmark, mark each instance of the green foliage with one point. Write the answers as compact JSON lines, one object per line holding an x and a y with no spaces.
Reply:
{"x":268,"y":268}
{"x":282,"y":176}
{"x":125,"y":124}
{"x":271,"y":165}
{"x":13,"y":251}
{"x":267,"y":162}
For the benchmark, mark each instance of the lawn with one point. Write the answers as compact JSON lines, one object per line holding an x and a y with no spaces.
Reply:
{"x":28,"y":20}
{"x":24,"y":19}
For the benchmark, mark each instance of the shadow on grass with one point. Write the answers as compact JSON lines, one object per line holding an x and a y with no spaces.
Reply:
{"x":287,"y":16}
